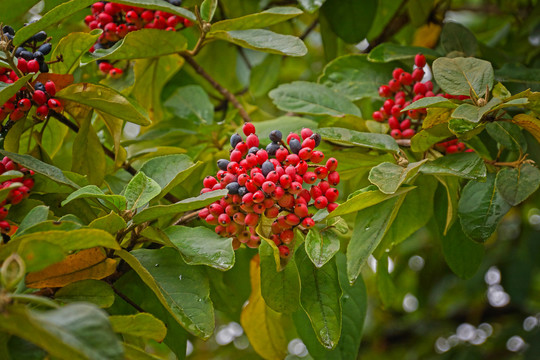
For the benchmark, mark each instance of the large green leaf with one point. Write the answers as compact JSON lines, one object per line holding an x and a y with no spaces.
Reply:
{"x":508,"y":135}
{"x":72,"y":47}
{"x":75,"y":331}
{"x":142,"y":325}
{"x":387,"y":52}
{"x":280,"y":289}
{"x":354,"y":76}
{"x":466,"y":165}
{"x":114,"y":202}
{"x":202,"y":246}
{"x":356,"y":138}
{"x":321,"y":246}
{"x":258,"y":20}
{"x":426,"y":138}
{"x":462,"y":255}
{"x":457,"y":76}
{"x":320,"y":295}
{"x":106,"y":100}
{"x":192,"y":103}
{"x":94,"y":291}
{"x":88,"y":151}
{"x":35,"y":216}
{"x":155,"y":212}
{"x":140,"y":190}
{"x":456,"y":37}
{"x":264,"y":76}
{"x":370,"y":226}
{"x":208,"y":9}
{"x":481,"y":207}
{"x":309,"y":98}
{"x":516,"y":184}
{"x":169,"y":170}
{"x":388,"y":177}
{"x":182,"y":289}
{"x":474,"y":113}
{"x":354,"y":308}
{"x":350,"y":19}
{"x":263,"y":40}
{"x":38,"y":254}
{"x":13,"y":15}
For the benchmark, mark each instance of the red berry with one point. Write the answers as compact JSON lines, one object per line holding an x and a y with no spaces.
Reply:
{"x":405,"y":78}
{"x":397,"y":73}
{"x":54,"y":104}
{"x":39,"y":97}
{"x":393,"y":122}
{"x":293,"y":136}
{"x":420,"y":60}
{"x":396,"y":133}
{"x":333,"y":178}
{"x":332,"y":194}
{"x":378,"y":116}
{"x":420,"y":88}
{"x":104,"y":18}
{"x":321,"y":202}
{"x":394,"y":85}
{"x":287,"y":236}
{"x":417,"y":74}
{"x":408,"y":133}
{"x":305,"y":133}
{"x":331,"y":207}
{"x":42,"y":111}
{"x":147,"y":15}
{"x":332,"y":164}
{"x":384,"y":91}
{"x":50,"y":88}
{"x":248,"y":128}
{"x":24,"y":104}
{"x":283,"y":251}
{"x":310,"y":177}
{"x":301,"y":210}
{"x":22,"y":65}
{"x":115,"y":73}
{"x":5,"y":227}
{"x":33,"y":66}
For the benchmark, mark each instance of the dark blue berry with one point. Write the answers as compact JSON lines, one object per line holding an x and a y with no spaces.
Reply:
{"x":242,"y":191}
{"x":222,"y":164}
{"x":43,"y":67}
{"x":253,"y":150}
{"x":317,"y":139}
{"x":8,"y":30}
{"x":295,"y":146}
{"x":18,"y":51}
{"x":27,"y":55}
{"x":267,"y":167}
{"x":233,"y":188}
{"x":39,"y":86}
{"x":38,"y":55}
{"x":235,"y":139}
{"x":272,"y":148}
{"x":40,"y":36}
{"x":45,"y":48}
{"x":275,"y":136}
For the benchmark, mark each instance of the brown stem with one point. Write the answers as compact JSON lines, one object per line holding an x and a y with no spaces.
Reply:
{"x":404,"y":142}
{"x":309,"y":29}
{"x":128,"y":300}
{"x":126,"y":165}
{"x":187,"y":217}
{"x":223,"y":91}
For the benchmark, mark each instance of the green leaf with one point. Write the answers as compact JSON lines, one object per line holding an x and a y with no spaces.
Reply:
{"x":76,"y":331}
{"x":474,"y":113}
{"x":182,"y":289}
{"x":264,"y":76}
{"x":431,"y":102}
{"x":114,"y":202}
{"x":311,"y":5}
{"x":4,"y":192}
{"x":259,"y":20}
{"x":280,"y":289}
{"x":516,"y":184}
{"x":320,"y":295}
{"x":89,"y":153}
{"x":142,"y":325}
{"x":151,"y":75}
{"x":263,"y":40}
{"x":481,"y":207}
{"x":106,"y":100}
{"x":350,"y":19}
{"x":464,"y":129}
{"x":192,"y":103}
{"x":354,"y":76}
{"x":72,"y":47}
{"x":13,"y":15}
{"x":140,"y":190}
{"x":388,"y":177}
{"x":466,"y":165}
{"x":456,"y":37}
{"x":309,"y":98}
{"x":155,"y":212}
{"x":388,"y":291}
{"x":518,"y":77}
{"x":508,"y":135}
{"x":356,"y":138}
{"x":457,"y":76}
{"x":202,"y":246}
{"x":7,"y":91}
{"x":369,"y":228}
{"x":35,"y":216}
{"x":96,"y":292}
{"x":354,"y":308}
{"x":462,"y":255}
{"x":426,"y":138}
{"x":111,"y":223}
{"x":321,"y":246}
{"x":38,"y":254}
{"x":208,"y":9}
{"x":11,"y":174}
{"x":387,"y":52}
{"x":169,"y":170}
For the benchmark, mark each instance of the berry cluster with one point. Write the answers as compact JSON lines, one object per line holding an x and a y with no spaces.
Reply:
{"x":17,"y":193}
{"x":404,"y":89}
{"x":117,"y":20}
{"x":39,"y":94}
{"x":278,"y":182}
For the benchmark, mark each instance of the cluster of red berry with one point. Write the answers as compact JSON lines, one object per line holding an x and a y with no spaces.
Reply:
{"x":273,"y":182}
{"x":117,"y":20}
{"x":20,"y":189}
{"x":39,"y":94}
{"x":404,"y":89}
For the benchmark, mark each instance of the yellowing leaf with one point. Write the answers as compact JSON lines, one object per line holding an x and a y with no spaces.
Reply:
{"x":263,"y":326}
{"x":427,"y":35}
{"x":436,"y":116}
{"x":86,"y":264}
{"x":529,"y":123}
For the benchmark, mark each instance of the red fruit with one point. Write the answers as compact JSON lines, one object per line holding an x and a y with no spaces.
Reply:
{"x":242,"y":147}
{"x":283,"y":251}
{"x":97,"y":7}
{"x":295,"y":188}
{"x":131,"y":16}
{"x":378,"y":116}
{"x":405,"y":78}
{"x":209,"y":181}
{"x":54,"y":104}
{"x":292,"y":220}
{"x":405,"y":124}
{"x":420,"y":88}
{"x":23,"y":65}
{"x":116,"y":73}
{"x":104,"y":18}
{"x":321,"y":202}
{"x":224,"y":219}
{"x":252,"y":219}
{"x":272,"y":212}
{"x":39,"y":97}
{"x":393,"y":122}
{"x":236,"y":156}
{"x":147,"y":15}
{"x":172,"y":21}
{"x":408,"y":133}
{"x":262,"y":156}
{"x":396,"y":111}
{"x":5,"y":227}
{"x":32,"y":66}
{"x":286,"y":201}
{"x":332,"y":206}
{"x":321,"y":172}
{"x":203,"y":213}
{"x":310,"y":177}
{"x":301,"y":168}
{"x":332,"y":164}
{"x":333,"y":178}
{"x":308,"y":223}
{"x":301,"y":210}
{"x":105,"y":67}
{"x":397,"y":73}
{"x":42,"y":111}
{"x":17,"y":114}
{"x":309,"y":143}
{"x":394,"y":85}
{"x":24,"y":104}
{"x":324,"y":185}
{"x":252,"y":140}
{"x":268,"y":187}
{"x":452,"y":149}
{"x":3,"y":213}
{"x":396,"y":133}
{"x":417,"y":74}
{"x":420,"y":60}
{"x":278,"y":193}
{"x":315,"y":192}
{"x":281,"y":154}
{"x":258,"y":197}
{"x":292,"y":159}
{"x":50,"y":88}
{"x":304,"y":154}
{"x":293,"y":136}
{"x":331,"y":194}
{"x":286,"y":236}
{"x":305,"y":133}
{"x":248,"y":128}
{"x":384,"y":91}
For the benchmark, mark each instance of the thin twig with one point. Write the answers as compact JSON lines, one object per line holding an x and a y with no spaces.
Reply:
{"x":309,"y":29}
{"x":187,"y":217}
{"x":128,"y":300}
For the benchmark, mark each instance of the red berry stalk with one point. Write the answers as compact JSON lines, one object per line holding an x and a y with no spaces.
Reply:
{"x":30,"y":59}
{"x":118,"y":20}
{"x":404,"y":89}
{"x":280,"y":182}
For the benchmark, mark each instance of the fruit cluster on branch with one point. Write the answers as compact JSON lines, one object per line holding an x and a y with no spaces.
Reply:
{"x":283,"y":181}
